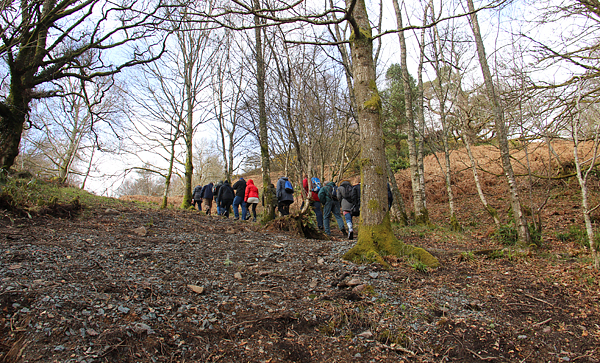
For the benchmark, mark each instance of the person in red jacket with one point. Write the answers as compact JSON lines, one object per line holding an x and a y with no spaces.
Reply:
{"x":251,"y":197}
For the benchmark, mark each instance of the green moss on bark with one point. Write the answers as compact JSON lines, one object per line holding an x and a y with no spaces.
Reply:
{"x":423,"y":218}
{"x":377,"y":241}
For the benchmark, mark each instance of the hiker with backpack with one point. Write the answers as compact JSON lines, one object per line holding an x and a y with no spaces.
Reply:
{"x":315,"y":202}
{"x":285,"y":195}
{"x":240,"y":194}
{"x":197,"y":197}
{"x":344,"y":193}
{"x":331,"y":205}
{"x":226,"y":195}
{"x":207,"y":197}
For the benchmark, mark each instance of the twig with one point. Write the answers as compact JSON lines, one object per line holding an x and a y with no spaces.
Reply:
{"x":540,"y":300}
{"x":524,"y":359}
{"x":400,"y":349}
{"x":542,"y":322}
{"x":584,"y":356}
{"x":480,"y":357}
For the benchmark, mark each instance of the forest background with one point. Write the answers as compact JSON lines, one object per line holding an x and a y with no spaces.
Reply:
{"x":159,"y":103}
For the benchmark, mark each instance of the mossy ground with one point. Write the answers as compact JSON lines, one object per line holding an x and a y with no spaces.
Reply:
{"x":375,"y":242}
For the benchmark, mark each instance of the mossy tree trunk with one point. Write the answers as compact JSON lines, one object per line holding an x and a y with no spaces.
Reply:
{"x":375,"y":236}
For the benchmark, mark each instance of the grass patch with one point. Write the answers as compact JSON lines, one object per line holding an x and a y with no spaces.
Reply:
{"x":30,"y":196}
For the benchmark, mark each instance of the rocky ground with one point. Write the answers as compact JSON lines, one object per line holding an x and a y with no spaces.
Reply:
{"x":135,"y":285}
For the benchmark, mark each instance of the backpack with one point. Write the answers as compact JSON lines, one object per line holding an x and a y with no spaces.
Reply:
{"x":356,"y":200}
{"x":346,"y":188}
{"x":289,"y":188}
{"x":334,"y":192}
{"x":315,"y":184}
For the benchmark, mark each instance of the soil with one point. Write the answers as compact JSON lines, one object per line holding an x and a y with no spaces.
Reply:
{"x":147,"y":285}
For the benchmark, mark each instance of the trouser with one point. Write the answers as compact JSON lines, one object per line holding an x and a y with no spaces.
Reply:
{"x":253,"y":209}
{"x":207,"y":205}
{"x":199,"y":205}
{"x":225,"y":208}
{"x":236,"y":202}
{"x":318,"y":213}
{"x":348,"y":217}
{"x":332,"y":207}
{"x":284,"y":207}
{"x":219,"y":210}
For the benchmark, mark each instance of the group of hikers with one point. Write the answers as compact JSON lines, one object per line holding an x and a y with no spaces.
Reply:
{"x":324,"y":200}
{"x":242,"y":193}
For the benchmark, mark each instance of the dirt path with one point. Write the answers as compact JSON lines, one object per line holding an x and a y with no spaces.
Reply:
{"x":171,"y":286}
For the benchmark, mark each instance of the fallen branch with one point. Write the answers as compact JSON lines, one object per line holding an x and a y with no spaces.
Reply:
{"x":540,"y":300}
{"x":542,"y":322}
{"x":480,"y":357}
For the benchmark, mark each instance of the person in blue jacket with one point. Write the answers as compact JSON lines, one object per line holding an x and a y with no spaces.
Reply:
{"x":285,"y":197}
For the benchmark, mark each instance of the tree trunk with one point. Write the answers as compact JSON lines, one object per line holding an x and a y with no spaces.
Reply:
{"x":89,"y":168}
{"x":163,"y":204}
{"x":442,"y":94}
{"x":375,"y":235}
{"x":421,"y":114}
{"x":268,"y":214}
{"x":519,"y":217}
{"x":188,"y":137}
{"x":421,"y":216}
{"x":493,"y":213}
{"x":398,"y":210}
{"x":582,"y":178}
{"x":12,"y":119}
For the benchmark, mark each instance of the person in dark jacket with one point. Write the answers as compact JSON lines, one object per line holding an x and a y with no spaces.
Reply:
{"x":284,"y":198}
{"x":240,"y":194}
{"x":330,"y":205}
{"x":197,"y":197}
{"x":344,"y":193}
{"x":216,"y":196}
{"x":207,"y":197}
{"x":226,"y":195}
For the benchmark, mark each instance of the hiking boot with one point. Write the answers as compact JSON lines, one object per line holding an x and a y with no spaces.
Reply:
{"x":236,"y":218}
{"x":351,"y":235}
{"x":343,"y":232}
{"x":254,"y":219}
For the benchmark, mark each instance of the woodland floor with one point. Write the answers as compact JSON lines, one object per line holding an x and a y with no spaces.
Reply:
{"x":127,"y":284}
{"x":113,"y":286}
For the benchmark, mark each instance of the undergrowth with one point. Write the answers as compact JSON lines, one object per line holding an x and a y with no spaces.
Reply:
{"x":29,"y":195}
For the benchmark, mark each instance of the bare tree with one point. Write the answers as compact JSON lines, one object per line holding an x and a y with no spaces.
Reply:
{"x":421,"y":215}
{"x":45,"y":41}
{"x":586,"y":111}
{"x":62,"y":127}
{"x":498,"y":113}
